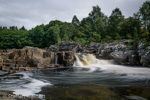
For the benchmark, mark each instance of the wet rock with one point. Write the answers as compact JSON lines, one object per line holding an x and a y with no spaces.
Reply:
{"x":105,"y":50}
{"x":2,"y":73}
{"x":126,"y":57}
{"x":144,"y":54}
{"x":145,"y":57}
{"x":65,"y":58}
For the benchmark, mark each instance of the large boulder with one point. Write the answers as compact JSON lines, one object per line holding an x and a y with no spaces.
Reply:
{"x":70,"y":46}
{"x":126,"y":57}
{"x":92,"y":47}
{"x":27,"y":58}
{"x":131,"y":55}
{"x":144,"y":54}
{"x":105,"y":50}
{"x":26,"y":52}
{"x":53,"y":48}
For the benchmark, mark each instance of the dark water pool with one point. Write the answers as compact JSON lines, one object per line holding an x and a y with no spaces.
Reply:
{"x":77,"y":83}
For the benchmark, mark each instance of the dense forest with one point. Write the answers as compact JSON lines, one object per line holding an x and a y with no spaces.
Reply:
{"x":96,"y":27}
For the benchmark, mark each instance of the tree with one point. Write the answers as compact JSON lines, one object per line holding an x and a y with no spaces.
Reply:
{"x":22,"y":28}
{"x":13,"y":28}
{"x":67,"y":29}
{"x":36,"y":35}
{"x":14,"y":39}
{"x":145,"y":15}
{"x":75,"y":21}
{"x":52,"y":35}
{"x":99,"y":27}
{"x":115,"y":19}
{"x":4,"y":28}
{"x":117,"y":36}
{"x":96,"y":37}
{"x":127,"y":26}
{"x":95,"y":13}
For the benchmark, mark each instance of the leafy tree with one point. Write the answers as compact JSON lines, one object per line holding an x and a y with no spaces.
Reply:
{"x":4,"y":28}
{"x":96,"y":27}
{"x":52,"y":23}
{"x":22,"y":28}
{"x":117,"y":36}
{"x":107,"y":38}
{"x":36,"y":35}
{"x":96,"y":37}
{"x":75,"y":21}
{"x":14,"y":39}
{"x":52,"y":35}
{"x":99,"y":27}
{"x":13,"y":28}
{"x":145,"y":15}
{"x":114,"y":20}
{"x":65,"y":37}
{"x":95,"y":13}
{"x":126,"y":27}
{"x":67,"y":29}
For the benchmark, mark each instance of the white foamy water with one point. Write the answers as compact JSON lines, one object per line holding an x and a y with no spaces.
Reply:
{"x":32,"y":86}
{"x":93,"y":64}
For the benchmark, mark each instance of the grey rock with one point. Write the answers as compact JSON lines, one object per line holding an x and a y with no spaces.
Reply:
{"x":70,"y":46}
{"x":92,"y":47}
{"x":126,"y":57}
{"x":53,"y":48}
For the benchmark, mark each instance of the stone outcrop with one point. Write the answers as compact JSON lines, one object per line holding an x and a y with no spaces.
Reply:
{"x":123,"y":52}
{"x":65,"y":58}
{"x":126,"y":57}
{"x":30,"y":58}
{"x":139,"y":55}
{"x":92,"y":48}
{"x":70,"y":46}
{"x":144,"y":54}
{"x":53,"y":48}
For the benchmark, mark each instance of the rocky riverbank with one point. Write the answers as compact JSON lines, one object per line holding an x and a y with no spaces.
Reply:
{"x":122,"y":51}
{"x":29,"y":58}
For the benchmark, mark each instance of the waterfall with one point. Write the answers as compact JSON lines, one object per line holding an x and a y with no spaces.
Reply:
{"x":89,"y":59}
{"x":90,"y":62}
{"x":56,"y":58}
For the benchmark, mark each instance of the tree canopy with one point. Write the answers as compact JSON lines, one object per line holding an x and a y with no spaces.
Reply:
{"x":96,"y":27}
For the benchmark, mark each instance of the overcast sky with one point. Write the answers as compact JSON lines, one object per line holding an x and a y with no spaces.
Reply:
{"x":35,"y":12}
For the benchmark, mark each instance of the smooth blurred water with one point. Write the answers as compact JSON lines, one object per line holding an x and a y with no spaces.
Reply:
{"x":114,"y":81}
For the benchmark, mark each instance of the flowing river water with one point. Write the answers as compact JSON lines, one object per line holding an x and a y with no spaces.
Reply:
{"x":88,"y":79}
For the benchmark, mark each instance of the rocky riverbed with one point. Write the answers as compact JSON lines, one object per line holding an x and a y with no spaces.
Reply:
{"x":30,"y":58}
{"x":122,"y":51}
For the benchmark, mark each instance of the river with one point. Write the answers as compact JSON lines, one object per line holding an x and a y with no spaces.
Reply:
{"x":88,"y":79}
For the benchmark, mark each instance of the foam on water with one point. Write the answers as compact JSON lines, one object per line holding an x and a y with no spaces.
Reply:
{"x":32,"y":86}
{"x":108,"y":66}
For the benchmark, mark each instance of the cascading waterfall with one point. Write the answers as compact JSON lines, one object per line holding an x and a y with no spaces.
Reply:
{"x":93,"y":64}
{"x":89,"y":59}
